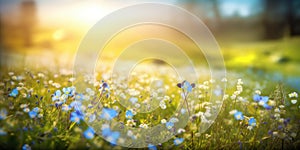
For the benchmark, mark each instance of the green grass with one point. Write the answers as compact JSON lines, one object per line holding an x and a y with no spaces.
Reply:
{"x":55,"y":130}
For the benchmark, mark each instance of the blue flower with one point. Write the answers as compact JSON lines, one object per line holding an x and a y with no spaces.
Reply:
{"x":36,"y":109}
{"x":152,"y":147}
{"x":178,"y":141}
{"x":3,"y":113}
{"x":76,"y":116}
{"x":89,"y":133}
{"x":262,"y":100}
{"x":256,"y":97}
{"x":106,"y":131}
{"x":239,"y":115}
{"x":252,"y":122}
{"x":187,"y":86}
{"x":56,"y":95}
{"x":79,"y":97}
{"x":26,"y":147}
{"x":129,"y":114}
{"x":169,"y":125}
{"x":70,"y":91}
{"x":104,"y":86}
{"x":108,"y":113}
{"x":14,"y":92}
{"x":33,"y":113}
{"x":76,"y":105}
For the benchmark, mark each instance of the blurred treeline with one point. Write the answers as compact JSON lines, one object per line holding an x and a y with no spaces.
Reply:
{"x":268,"y":19}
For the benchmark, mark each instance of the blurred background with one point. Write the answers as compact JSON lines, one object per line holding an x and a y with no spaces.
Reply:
{"x":257,"y":36}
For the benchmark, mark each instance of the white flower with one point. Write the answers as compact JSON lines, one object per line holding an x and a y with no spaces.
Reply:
{"x":162,"y":105}
{"x":233,"y":96}
{"x":41,"y":75}
{"x":250,"y":127}
{"x":239,"y":88}
{"x":224,"y":80}
{"x":281,"y":106}
{"x":137,"y":105}
{"x":240,"y":82}
{"x":145,"y":126}
{"x":232,"y":112}
{"x":129,"y":133}
{"x":182,"y":111}
{"x":207,"y":114}
{"x":257,"y":92}
{"x":130,"y":123}
{"x":163,"y":121}
{"x":261,"y":103}
{"x":293,"y":95}
{"x":180,"y":130}
{"x":40,"y":116}
{"x":225,"y":96}
{"x":281,"y":120}
{"x":277,"y":110}
{"x":174,"y":120}
{"x":26,"y":110}
{"x":293,"y":101}
{"x":277,"y":115}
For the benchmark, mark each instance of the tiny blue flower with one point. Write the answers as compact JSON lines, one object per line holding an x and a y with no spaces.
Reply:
{"x":108,"y":113}
{"x":187,"y":86}
{"x":36,"y":109}
{"x":152,"y":147}
{"x":239,"y":115}
{"x":76,"y":116}
{"x":264,"y":98}
{"x":14,"y":92}
{"x":26,"y":147}
{"x":32,"y":114}
{"x":178,"y":141}
{"x":252,"y":122}
{"x":129,"y":114}
{"x":256,"y":97}
{"x":59,"y":103}
{"x":70,"y":91}
{"x":56,"y":95}
{"x":89,"y":133}
{"x":106,"y":131}
{"x":79,"y":97}
{"x":169,"y":125}
{"x":3,"y":113}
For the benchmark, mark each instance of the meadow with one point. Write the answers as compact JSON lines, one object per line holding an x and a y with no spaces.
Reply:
{"x":43,"y":109}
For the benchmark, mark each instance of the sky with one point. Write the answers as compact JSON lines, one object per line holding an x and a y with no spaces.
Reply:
{"x":90,"y":11}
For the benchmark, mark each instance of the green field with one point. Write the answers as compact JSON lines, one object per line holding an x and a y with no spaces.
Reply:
{"x":258,"y":109}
